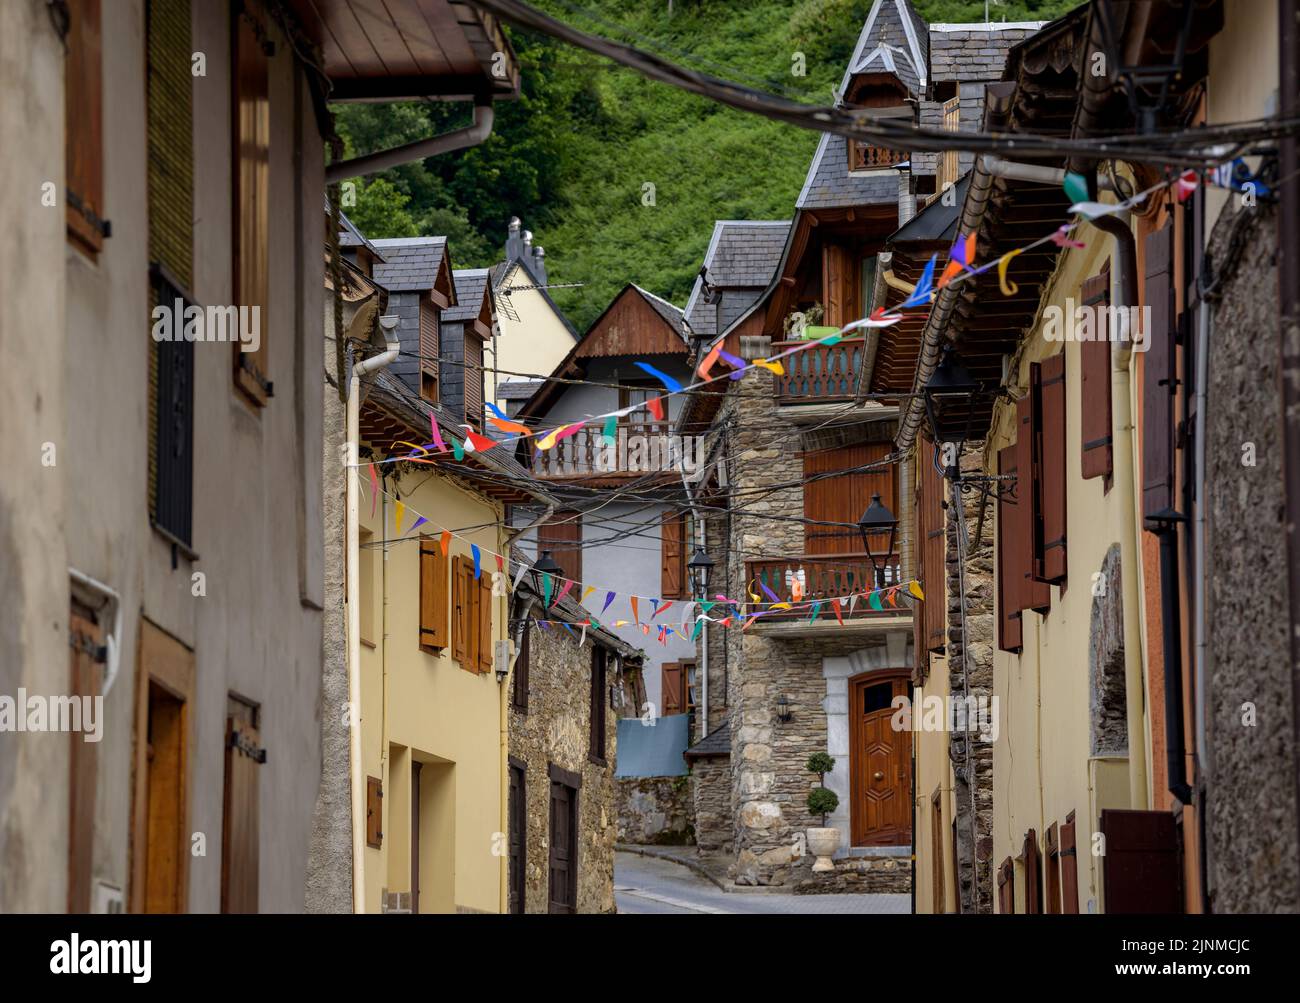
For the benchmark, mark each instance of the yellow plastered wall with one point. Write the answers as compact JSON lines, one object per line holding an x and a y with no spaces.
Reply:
{"x":421,"y":707}
{"x":933,"y":772}
{"x":1042,"y":767}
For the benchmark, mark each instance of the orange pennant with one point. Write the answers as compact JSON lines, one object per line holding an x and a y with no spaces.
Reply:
{"x":446,"y":541}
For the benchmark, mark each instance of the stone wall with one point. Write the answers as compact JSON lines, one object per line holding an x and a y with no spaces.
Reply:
{"x":875,"y":874}
{"x":655,"y":811}
{"x":556,"y":729}
{"x":1251,"y":797}
{"x":970,"y":674}
{"x":711,"y":792}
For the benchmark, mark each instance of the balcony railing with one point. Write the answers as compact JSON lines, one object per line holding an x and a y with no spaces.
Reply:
{"x":824,"y":373}
{"x":824,"y":576}
{"x":639,"y":448}
{"x":864,"y":157}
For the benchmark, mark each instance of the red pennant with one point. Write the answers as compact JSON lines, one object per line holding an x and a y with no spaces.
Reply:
{"x":835,"y":605}
{"x":656,"y":406}
{"x":481,"y":443}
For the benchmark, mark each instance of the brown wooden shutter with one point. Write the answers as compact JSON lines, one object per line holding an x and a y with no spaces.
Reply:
{"x":843,"y":499}
{"x":434,"y":590}
{"x":520,"y":693}
{"x":563,"y":538}
{"x":1047,"y":383}
{"x":1094,"y":375}
{"x":1034,"y":594}
{"x":84,"y":126}
{"x":429,"y":348}
{"x":483,"y":615}
{"x":374,"y":812}
{"x":597,"y":718}
{"x":839,"y":285}
{"x":1010,"y":578}
{"x":462,"y":609}
{"x":933,"y":548}
{"x":671,"y":694}
{"x":473,"y":378}
{"x":1007,"y":887}
{"x":1033,"y":901}
{"x":239,"y":834}
{"x":251,"y":200}
{"x":1158,"y":377}
{"x":1051,"y":871}
{"x":672,"y":554}
{"x":1142,"y":866}
{"x":86,"y":641}
{"x":1069,"y":868}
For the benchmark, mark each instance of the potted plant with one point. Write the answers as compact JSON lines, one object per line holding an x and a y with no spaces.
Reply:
{"x":823,"y":842}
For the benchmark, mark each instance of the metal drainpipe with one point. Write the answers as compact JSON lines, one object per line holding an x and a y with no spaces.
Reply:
{"x":1124,"y":283}
{"x":457,"y":139}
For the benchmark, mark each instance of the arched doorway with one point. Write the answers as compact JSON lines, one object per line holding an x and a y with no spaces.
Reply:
{"x":880,"y":761}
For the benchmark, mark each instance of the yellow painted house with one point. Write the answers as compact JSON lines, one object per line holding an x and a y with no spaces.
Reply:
{"x":433,"y":706}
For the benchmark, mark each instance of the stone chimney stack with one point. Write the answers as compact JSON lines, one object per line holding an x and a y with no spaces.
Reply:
{"x":514,"y":243}
{"x":539,"y":264}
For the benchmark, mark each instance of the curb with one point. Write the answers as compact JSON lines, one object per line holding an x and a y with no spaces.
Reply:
{"x":694,"y":865}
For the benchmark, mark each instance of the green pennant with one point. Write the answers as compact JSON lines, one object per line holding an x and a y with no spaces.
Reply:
{"x":699,"y":626}
{"x":458,"y":449}
{"x":874,"y":599}
{"x":546,"y":589}
{"x":1076,"y":187}
{"x":610,"y":431}
{"x":816,"y":611}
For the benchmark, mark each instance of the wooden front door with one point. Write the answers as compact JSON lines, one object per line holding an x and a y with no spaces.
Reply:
{"x":880,"y":764}
{"x":564,"y":852}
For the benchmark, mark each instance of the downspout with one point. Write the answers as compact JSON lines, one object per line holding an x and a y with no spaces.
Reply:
{"x":388,"y":324}
{"x":1124,"y":286}
{"x":457,"y":139}
{"x":113,"y":642}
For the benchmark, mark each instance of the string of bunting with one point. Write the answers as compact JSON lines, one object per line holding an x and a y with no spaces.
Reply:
{"x":960,"y":267}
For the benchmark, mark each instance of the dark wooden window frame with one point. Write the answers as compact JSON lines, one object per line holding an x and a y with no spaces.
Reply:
{"x":598,"y":740}
{"x":519,"y":684}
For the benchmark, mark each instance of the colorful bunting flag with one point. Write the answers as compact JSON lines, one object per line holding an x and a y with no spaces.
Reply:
{"x":568,"y":584}
{"x":609,"y":598}
{"x":1008,"y":287}
{"x":437,"y":434}
{"x":670,"y":384}
{"x":445,"y":541}
{"x":418,"y":523}
{"x":705,"y":368}
{"x":374,"y":489}
{"x":478,"y":570}
{"x":1061,"y":238}
{"x":399,"y":510}
{"x":922,"y":293}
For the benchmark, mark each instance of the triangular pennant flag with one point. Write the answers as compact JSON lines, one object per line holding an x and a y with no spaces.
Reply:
{"x":816,"y":611}
{"x":635,"y":615}
{"x":567,"y":629}
{"x":915,"y":589}
{"x":399,"y":510}
{"x":583,"y":640}
{"x":705,"y":368}
{"x":519,"y":576}
{"x":374,"y":489}
{"x":478,"y":568}
{"x":1008,"y":287}
{"x":546,"y":589}
{"x":457,"y":449}
{"x":699,"y":626}
{"x":738,"y":364}
{"x":610,"y":431}
{"x":670,"y":384}
{"x":620,"y":623}
{"x":418,"y":523}
{"x":501,"y":564}
{"x":655,"y":405}
{"x":445,"y":541}
{"x":609,"y":598}
{"x":874,"y":600}
{"x":666,"y":604}
{"x":774,"y":367}
{"x":437,"y":434}
{"x":835,"y":605}
{"x":853,"y":601}
{"x":1076,"y":186}
{"x":645,"y":629}
{"x":568,"y":584}
{"x":921,"y":295}
{"x":1061,"y":238}
{"x":586,"y":592}
{"x":479,"y":443}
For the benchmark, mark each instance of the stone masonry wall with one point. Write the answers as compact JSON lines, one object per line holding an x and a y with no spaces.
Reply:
{"x":655,"y":811}
{"x":711,"y":790}
{"x":556,"y":730}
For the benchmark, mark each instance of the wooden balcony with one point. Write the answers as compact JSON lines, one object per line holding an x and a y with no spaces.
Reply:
{"x":825,"y":576}
{"x":640,"y":448}
{"x":864,"y":157}
{"x":826,"y":373}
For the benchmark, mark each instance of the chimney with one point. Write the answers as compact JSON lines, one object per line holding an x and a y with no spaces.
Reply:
{"x":539,"y":264}
{"x":514,"y":244}
{"x":906,"y":197}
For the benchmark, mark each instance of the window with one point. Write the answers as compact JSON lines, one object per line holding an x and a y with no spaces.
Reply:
{"x":86,"y":640}
{"x":430,"y":349}
{"x":251,"y":201}
{"x":1159,"y":374}
{"x":844,"y":498}
{"x":672,"y":557}
{"x":519,"y":694}
{"x":841,"y":279}
{"x":84,"y":128}
{"x":434,"y":605}
{"x":473,"y":379}
{"x":632,"y":392}
{"x":374,"y":812}
{"x":518,"y":825}
{"x":562,"y":536}
{"x":1143,"y":867}
{"x":599,"y":702}
{"x":239,"y":834}
{"x":672,"y":693}
{"x":471,"y":627}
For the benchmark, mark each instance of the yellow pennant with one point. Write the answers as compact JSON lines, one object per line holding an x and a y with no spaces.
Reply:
{"x":915,"y":588}
{"x":774,"y":367}
{"x":1008,"y":287}
{"x":589,"y":591}
{"x":399,"y":510}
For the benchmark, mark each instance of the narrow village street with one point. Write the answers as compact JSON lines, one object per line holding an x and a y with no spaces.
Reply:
{"x":654,"y":886}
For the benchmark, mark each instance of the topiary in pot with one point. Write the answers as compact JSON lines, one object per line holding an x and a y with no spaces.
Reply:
{"x":820,"y":763}
{"x":822,"y":802}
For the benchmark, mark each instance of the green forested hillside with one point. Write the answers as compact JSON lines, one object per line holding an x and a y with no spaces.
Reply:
{"x":574,"y":156}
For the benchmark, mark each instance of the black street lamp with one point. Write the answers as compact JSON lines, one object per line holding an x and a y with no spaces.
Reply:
{"x":700,"y":566}
{"x":952,"y":397}
{"x":878,"y":527}
{"x":545,"y":565}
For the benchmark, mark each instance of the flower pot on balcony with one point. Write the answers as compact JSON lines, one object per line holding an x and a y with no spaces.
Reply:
{"x":822,"y":843}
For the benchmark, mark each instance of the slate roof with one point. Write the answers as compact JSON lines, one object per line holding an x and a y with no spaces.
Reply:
{"x":411,"y":263}
{"x":715,"y":743}
{"x":518,"y":390}
{"x":896,"y":40}
{"x":350,"y":236}
{"x":470,"y":283}
{"x":743,"y":255}
{"x":975,"y":53}
{"x":672,"y":314}
{"x":829,"y":184}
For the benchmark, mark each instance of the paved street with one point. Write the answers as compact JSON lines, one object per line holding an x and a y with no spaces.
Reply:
{"x":648,"y":885}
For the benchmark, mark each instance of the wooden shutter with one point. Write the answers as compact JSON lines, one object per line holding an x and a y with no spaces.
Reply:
{"x":87,"y":654}
{"x":1009,"y":566}
{"x":1034,"y":594}
{"x":434,"y":589}
{"x":672,"y":693}
{"x":251,"y":200}
{"x":1007,"y":887}
{"x":933,"y":549}
{"x":1051,"y":872}
{"x":83,"y":127}
{"x":239,"y":835}
{"x":462,"y":609}
{"x":520,"y":691}
{"x":430,"y":343}
{"x":1142,"y":866}
{"x":563,"y":862}
{"x":672,"y":555}
{"x":483,"y":618}
{"x":1047,"y":385}
{"x":1158,"y":378}
{"x":518,"y":826}
{"x":1069,"y":868}
{"x":597,"y":718}
{"x":374,"y":812}
{"x":839,"y":285}
{"x":1033,"y":886}
{"x":473,"y":378}
{"x":1094,"y":375}
{"x":563,"y":538}
{"x":843,"y":499}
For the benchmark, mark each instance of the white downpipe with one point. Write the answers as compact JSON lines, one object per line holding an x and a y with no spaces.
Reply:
{"x":388,"y":324}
